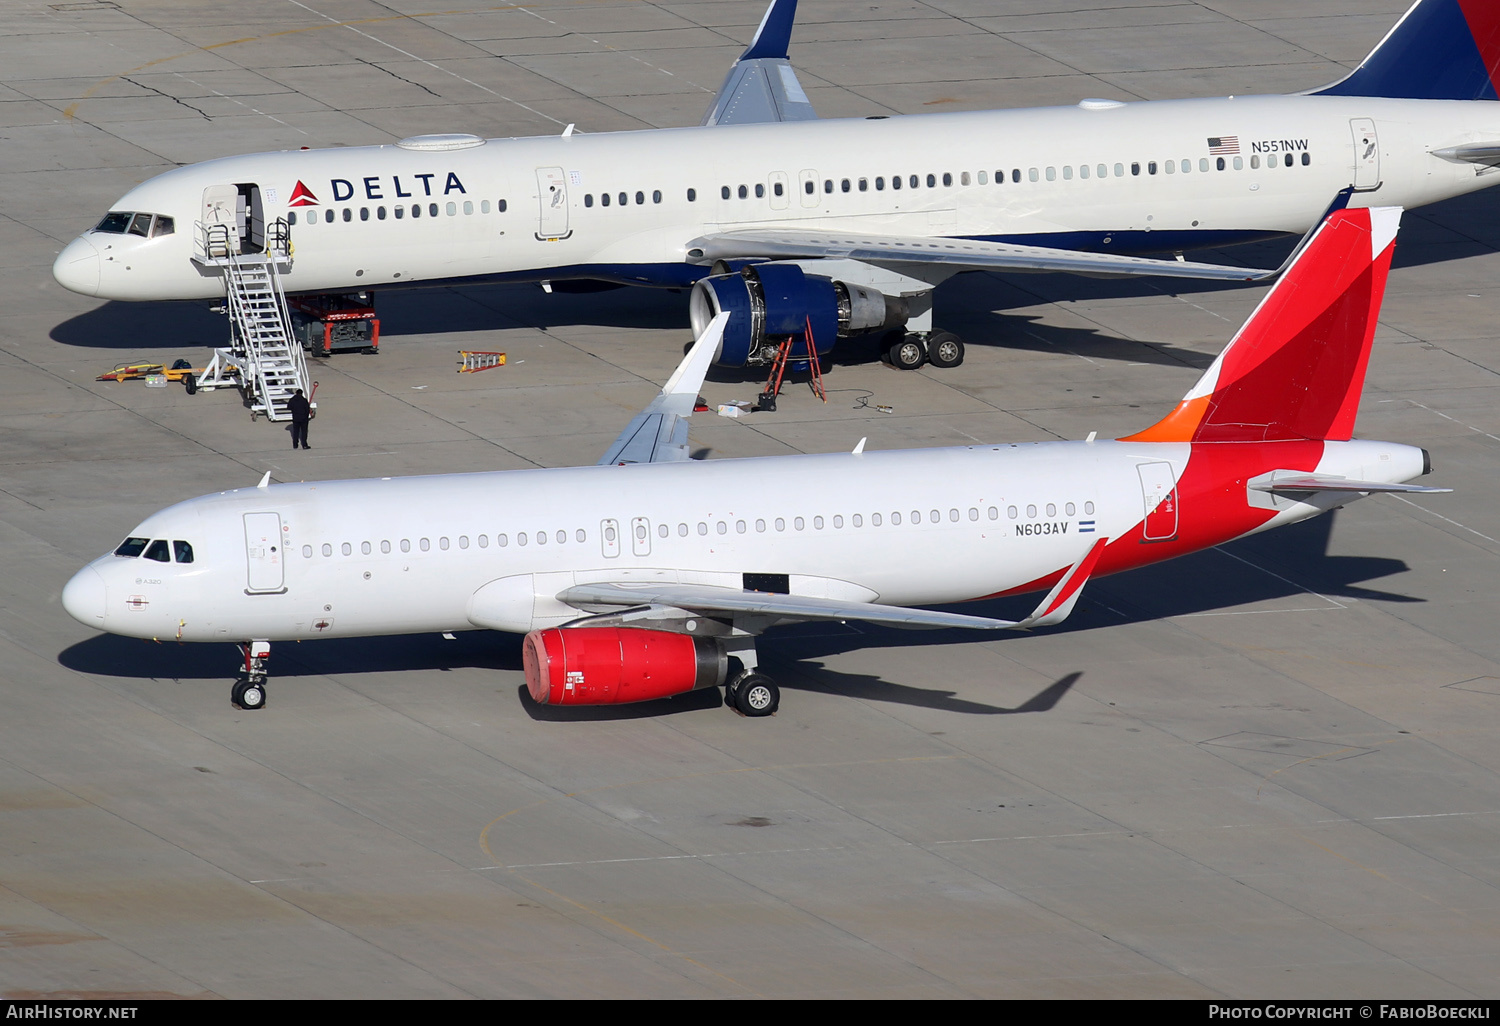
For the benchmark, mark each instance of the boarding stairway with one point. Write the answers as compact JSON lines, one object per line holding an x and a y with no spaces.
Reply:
{"x":263,"y":357}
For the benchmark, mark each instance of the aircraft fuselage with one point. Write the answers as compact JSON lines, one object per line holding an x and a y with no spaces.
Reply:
{"x":626,"y":207}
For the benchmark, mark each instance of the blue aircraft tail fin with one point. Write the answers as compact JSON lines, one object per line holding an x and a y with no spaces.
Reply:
{"x":1439,"y":50}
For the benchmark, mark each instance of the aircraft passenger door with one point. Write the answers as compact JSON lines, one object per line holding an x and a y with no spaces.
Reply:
{"x":1366,"y":154}
{"x":222,"y":205}
{"x":807,"y":188}
{"x":552,"y":190}
{"x":609,"y":537}
{"x":263,"y":553}
{"x":1159,"y":491}
{"x":640,"y":536}
{"x":780,"y":199}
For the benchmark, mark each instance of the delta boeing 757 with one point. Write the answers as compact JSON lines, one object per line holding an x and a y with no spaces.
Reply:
{"x":803,"y":227}
{"x":650,"y":574}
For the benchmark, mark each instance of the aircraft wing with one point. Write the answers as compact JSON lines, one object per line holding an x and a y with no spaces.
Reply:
{"x":710,"y":599}
{"x":761,"y":87}
{"x":658,"y":434}
{"x":792,"y":243}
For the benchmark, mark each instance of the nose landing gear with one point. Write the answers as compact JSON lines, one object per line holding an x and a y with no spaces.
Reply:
{"x":249,"y":691}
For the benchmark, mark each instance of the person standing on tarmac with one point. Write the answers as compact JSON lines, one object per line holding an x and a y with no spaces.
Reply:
{"x":301,"y":412}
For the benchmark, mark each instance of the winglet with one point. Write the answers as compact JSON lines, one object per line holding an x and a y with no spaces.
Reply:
{"x":774,"y":36}
{"x":1063,"y":597}
{"x":762,"y":86}
{"x":658,"y":434}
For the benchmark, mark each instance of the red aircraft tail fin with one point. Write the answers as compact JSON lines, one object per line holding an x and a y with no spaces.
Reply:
{"x":1296,"y":367}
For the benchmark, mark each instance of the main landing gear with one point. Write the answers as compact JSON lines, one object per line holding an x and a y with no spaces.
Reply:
{"x":249,"y":691}
{"x":909,"y":350}
{"x":752,"y":693}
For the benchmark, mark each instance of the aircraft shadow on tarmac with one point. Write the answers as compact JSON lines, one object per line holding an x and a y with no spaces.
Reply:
{"x":1288,"y":562}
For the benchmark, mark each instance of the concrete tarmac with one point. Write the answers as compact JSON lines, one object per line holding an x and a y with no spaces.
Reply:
{"x":1268,"y":770}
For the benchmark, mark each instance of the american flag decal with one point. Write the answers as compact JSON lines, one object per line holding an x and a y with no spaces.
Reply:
{"x":1224,"y":145}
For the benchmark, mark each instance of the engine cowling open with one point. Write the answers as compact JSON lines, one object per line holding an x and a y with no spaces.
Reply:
{"x":770,"y":301}
{"x":613,"y":665}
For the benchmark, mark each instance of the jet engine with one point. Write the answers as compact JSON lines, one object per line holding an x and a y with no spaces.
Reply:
{"x":612,"y":665}
{"x":770,"y":301}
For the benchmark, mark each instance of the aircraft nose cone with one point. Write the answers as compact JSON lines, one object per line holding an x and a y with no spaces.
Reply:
{"x":77,"y":267}
{"x":84,"y":597}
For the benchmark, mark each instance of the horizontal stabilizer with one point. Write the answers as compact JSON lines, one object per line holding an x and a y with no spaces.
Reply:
{"x":795,"y":243}
{"x":658,"y":434}
{"x":1486,"y":154}
{"x":1305,"y":483}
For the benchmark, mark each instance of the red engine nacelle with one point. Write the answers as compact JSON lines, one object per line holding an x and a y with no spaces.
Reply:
{"x":610,"y":665}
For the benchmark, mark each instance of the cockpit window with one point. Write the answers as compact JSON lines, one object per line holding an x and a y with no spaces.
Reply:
{"x":140,"y":225}
{"x":164,"y":226}
{"x":132,"y":547}
{"x":183,"y":551}
{"x":158,"y":551}
{"x":115,"y":222}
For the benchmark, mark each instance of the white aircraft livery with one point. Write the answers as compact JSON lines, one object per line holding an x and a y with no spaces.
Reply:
{"x":640,"y":577}
{"x":822,"y":229}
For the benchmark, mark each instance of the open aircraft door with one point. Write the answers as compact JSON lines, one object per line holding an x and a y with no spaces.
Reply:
{"x":223,"y":205}
{"x":552,"y":193}
{"x":264,"y":554}
{"x":1366,"y":155}
{"x":1159,"y":492}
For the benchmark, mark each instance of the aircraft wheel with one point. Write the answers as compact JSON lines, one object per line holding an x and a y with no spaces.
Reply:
{"x":757,"y":695}
{"x":249,"y":695}
{"x":908,"y":353}
{"x":945,"y":349}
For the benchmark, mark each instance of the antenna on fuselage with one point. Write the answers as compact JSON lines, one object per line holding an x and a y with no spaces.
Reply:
{"x":265,"y":481}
